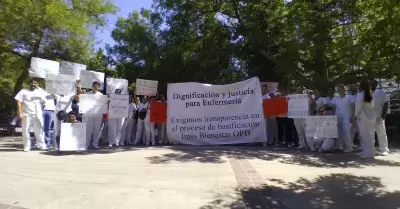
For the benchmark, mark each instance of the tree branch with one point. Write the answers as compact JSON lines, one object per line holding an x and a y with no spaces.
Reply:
{"x":302,"y":79}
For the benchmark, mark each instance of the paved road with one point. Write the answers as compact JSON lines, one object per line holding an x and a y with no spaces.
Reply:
{"x":194,"y":177}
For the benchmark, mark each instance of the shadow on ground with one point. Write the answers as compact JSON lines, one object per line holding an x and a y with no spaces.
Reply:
{"x":219,"y":154}
{"x":334,"y":191}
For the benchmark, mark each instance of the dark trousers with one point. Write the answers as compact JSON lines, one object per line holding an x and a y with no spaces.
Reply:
{"x":286,"y":131}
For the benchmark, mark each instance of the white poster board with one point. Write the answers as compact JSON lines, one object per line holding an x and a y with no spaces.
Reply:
{"x":272,"y":86}
{"x":146,"y":87}
{"x":204,"y":114}
{"x":119,"y":106}
{"x":87,"y":77}
{"x":41,"y":67}
{"x":298,"y":105}
{"x":322,"y":126}
{"x":113,"y":84}
{"x":73,"y":137}
{"x":93,"y":105}
{"x":70,"y":68}
{"x":60,"y":84}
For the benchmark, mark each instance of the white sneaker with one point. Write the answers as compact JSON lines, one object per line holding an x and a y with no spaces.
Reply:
{"x":110,"y":146}
{"x":28,"y":149}
{"x":385,"y":153}
{"x":43,"y":148}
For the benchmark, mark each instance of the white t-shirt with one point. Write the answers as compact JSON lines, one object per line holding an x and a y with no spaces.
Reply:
{"x":380,"y":98}
{"x":343,"y":105}
{"x":49,"y":100}
{"x":64,"y":103}
{"x":31,"y":102}
{"x":365,"y":109}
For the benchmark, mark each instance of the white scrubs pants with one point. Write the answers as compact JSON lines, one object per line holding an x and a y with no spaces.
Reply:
{"x":299,"y":123}
{"x":321,"y":144}
{"x":381,"y":134}
{"x":163,"y":133}
{"x":129,"y":126}
{"x":93,"y":126}
{"x":149,"y":129}
{"x":140,"y":132}
{"x":36,"y":123}
{"x":366,"y":131}
{"x":344,"y":139}
{"x":115,"y":130}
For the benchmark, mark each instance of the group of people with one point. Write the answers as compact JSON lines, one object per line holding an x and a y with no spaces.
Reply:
{"x":362,"y":110}
{"x":42,"y":113}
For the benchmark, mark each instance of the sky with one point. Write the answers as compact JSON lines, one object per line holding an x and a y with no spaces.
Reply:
{"x":103,"y":35}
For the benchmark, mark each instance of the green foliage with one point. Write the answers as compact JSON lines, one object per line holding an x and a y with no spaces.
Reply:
{"x":312,"y":43}
{"x":51,"y":29}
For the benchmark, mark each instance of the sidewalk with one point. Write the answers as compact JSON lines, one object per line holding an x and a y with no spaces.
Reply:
{"x":195,"y":177}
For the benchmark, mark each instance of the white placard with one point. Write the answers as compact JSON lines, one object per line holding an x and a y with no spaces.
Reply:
{"x":73,"y":137}
{"x":60,"y":84}
{"x":298,"y":105}
{"x":41,"y":67}
{"x":90,"y":104}
{"x":272,"y":86}
{"x":322,"y":126}
{"x":119,"y":106}
{"x":87,"y":77}
{"x":204,"y":114}
{"x":146,"y":87}
{"x":70,"y":68}
{"x":113,"y":84}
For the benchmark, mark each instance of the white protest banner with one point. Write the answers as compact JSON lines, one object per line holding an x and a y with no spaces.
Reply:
{"x":119,"y":106}
{"x":204,"y":114}
{"x":272,"y":86}
{"x":298,"y":106}
{"x":146,"y":87}
{"x":322,"y":126}
{"x":70,"y":68}
{"x":41,"y":67}
{"x":60,"y":84}
{"x":73,"y":137}
{"x":90,"y":104}
{"x":113,"y":84}
{"x":87,"y":77}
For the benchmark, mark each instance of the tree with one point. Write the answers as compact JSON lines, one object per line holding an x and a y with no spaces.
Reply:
{"x":52,"y":29}
{"x":177,"y":53}
{"x":314,"y":43}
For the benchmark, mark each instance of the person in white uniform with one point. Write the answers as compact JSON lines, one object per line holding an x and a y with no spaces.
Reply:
{"x":48,"y":116}
{"x":299,"y":123}
{"x":93,"y":123}
{"x":366,"y":116}
{"x":163,"y":126}
{"x":142,"y":107}
{"x":381,"y":101}
{"x":116,"y":129}
{"x":320,"y":144}
{"x":29,"y":109}
{"x":149,"y":127}
{"x":130,"y":123}
{"x":353,"y":95}
{"x":344,"y":113}
{"x":265,"y":95}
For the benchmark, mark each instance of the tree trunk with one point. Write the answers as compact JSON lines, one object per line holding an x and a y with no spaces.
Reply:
{"x":20,"y":81}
